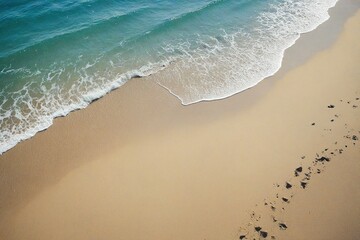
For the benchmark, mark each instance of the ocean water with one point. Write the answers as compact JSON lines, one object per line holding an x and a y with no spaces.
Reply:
{"x":59,"y":56}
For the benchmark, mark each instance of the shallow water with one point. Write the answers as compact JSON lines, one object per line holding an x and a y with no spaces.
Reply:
{"x":56,"y":57}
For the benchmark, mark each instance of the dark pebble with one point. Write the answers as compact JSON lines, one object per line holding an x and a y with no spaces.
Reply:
{"x":257,"y":229}
{"x":303,"y":184}
{"x":283,"y":226}
{"x":263,"y":234}
{"x":322,"y":159}
{"x":288,"y":185}
{"x":331,"y":106}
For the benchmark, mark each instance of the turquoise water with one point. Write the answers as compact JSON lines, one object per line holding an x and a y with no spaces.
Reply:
{"x":58,"y":56}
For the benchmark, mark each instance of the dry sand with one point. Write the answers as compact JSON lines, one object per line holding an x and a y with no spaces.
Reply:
{"x":138,"y":165}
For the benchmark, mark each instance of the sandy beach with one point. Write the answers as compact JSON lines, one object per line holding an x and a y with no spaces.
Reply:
{"x":277,"y":161}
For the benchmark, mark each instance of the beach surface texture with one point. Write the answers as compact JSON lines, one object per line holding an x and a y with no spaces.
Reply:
{"x":280,"y":160}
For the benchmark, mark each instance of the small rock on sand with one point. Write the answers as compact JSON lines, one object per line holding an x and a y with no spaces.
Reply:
{"x":322,"y":159}
{"x":297,"y":171}
{"x":283,"y":226}
{"x":331,"y":106}
{"x":303,"y":184}
{"x":263,"y":234}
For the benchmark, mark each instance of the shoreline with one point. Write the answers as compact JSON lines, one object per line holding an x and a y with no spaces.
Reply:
{"x":337,"y":16}
{"x":337,"y":12}
{"x":152,"y":133}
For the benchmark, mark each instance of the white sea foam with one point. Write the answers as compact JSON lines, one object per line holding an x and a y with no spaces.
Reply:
{"x":23,"y":119}
{"x":217,"y":68}
{"x":235,"y":62}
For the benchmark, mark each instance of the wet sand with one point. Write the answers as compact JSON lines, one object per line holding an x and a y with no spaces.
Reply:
{"x":137,"y":164}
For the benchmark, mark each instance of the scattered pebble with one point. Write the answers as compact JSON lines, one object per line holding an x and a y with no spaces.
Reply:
{"x":263,"y":234}
{"x":315,"y":168}
{"x":297,"y":171}
{"x":303,"y":184}
{"x":322,"y":159}
{"x":283,"y":226}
